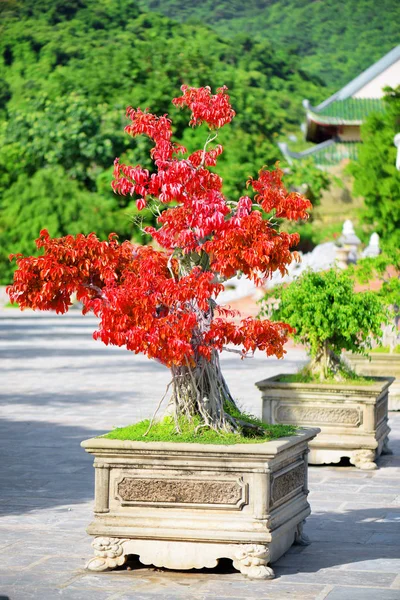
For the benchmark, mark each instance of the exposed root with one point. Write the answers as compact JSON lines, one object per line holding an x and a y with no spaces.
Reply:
{"x":326,"y":363}
{"x":201,"y":390}
{"x":157,"y":409}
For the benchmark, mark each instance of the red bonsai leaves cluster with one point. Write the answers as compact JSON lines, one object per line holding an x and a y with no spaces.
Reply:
{"x":215,"y":110}
{"x":162,"y":302}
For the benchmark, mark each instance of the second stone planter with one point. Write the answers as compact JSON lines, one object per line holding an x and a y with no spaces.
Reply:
{"x":353,"y":418}
{"x":383,"y":364}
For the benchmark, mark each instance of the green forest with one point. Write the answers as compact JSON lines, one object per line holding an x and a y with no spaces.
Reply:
{"x":69,"y":69}
{"x":333,"y":40}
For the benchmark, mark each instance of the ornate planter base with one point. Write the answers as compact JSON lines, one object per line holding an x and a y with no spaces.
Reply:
{"x":381,"y":364}
{"x":185,"y":506}
{"x":249,"y":559}
{"x":352,"y":418}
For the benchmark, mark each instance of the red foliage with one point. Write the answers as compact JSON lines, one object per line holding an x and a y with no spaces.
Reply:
{"x":161,"y":302}
{"x":273,"y":195}
{"x":215,"y":110}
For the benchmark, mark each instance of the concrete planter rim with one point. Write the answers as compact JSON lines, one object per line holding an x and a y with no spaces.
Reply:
{"x":270,"y":448}
{"x":381,"y":384}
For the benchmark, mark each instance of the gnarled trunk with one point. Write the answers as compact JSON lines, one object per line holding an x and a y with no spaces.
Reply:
{"x":325,"y":362}
{"x":202,"y":390}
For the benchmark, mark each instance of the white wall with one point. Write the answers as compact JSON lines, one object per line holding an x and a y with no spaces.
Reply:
{"x":373,"y":89}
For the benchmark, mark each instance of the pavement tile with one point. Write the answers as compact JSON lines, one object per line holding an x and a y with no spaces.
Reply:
{"x":65,"y":388}
{"x":381,"y":565}
{"x":339,"y":535}
{"x":389,"y":539}
{"x":367,"y":499}
{"x":362,"y":593}
{"x":336,"y":576}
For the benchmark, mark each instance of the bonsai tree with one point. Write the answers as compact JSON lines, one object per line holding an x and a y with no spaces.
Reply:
{"x":328,"y":316}
{"x":161,"y":300}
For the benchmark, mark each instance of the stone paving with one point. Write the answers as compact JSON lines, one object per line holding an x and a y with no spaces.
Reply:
{"x":58,"y":387}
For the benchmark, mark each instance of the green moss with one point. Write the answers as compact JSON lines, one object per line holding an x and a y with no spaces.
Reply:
{"x":305,"y":376}
{"x":385,"y":350}
{"x":164,"y":431}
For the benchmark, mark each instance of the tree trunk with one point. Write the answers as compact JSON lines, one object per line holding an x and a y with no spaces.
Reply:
{"x":202,"y":390}
{"x":325,"y":362}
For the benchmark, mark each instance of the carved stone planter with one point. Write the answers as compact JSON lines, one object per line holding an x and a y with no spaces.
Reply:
{"x":353,"y":418}
{"x":185,"y":506}
{"x":387,"y":365}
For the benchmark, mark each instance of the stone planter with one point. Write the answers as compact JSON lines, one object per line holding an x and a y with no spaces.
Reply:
{"x":387,"y":365}
{"x":185,"y":506}
{"x":352,"y":418}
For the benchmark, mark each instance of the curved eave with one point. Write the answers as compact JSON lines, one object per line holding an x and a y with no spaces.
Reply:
{"x":322,"y":120}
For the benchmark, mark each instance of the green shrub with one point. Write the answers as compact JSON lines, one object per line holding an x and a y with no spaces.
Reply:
{"x":328,"y":316}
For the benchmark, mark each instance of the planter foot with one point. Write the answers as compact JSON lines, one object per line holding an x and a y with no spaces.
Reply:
{"x":364,"y":459}
{"x":385,"y":447}
{"x":300,"y":538}
{"x":108,"y":554}
{"x":251,"y":560}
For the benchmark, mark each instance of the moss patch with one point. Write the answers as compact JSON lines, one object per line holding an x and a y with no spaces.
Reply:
{"x":164,"y":431}
{"x":347,"y":377}
{"x":385,"y":350}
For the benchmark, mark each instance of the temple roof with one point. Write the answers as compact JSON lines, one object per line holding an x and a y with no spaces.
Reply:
{"x":349,"y":111}
{"x":360,"y":81}
{"x":334,"y":125}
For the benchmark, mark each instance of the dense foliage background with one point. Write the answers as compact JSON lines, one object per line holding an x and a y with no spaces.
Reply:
{"x":69,"y":68}
{"x":335,"y":40}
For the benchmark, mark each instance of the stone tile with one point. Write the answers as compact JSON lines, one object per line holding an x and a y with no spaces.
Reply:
{"x":156,"y":595}
{"x":390,"y":518}
{"x":339,"y":535}
{"x":381,"y":565}
{"x":361,"y":593}
{"x":389,"y":539}
{"x":51,"y":593}
{"x":367,"y":499}
{"x":385,"y":489}
{"x":372,"y":526}
{"x":336,"y":576}
{"x":56,"y":371}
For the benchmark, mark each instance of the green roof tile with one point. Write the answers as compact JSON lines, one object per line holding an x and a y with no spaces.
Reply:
{"x":351,"y":109}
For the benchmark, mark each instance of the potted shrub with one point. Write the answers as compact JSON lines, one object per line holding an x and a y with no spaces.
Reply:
{"x":329,"y":316}
{"x":384,"y":356}
{"x":204,"y":481}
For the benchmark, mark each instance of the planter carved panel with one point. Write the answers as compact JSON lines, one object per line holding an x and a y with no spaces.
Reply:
{"x":162,"y":491}
{"x":381,"y":410}
{"x":287,"y":483}
{"x":318,"y":414}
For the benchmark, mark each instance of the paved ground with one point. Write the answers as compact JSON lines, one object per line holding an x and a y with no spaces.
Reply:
{"x":59,"y":387}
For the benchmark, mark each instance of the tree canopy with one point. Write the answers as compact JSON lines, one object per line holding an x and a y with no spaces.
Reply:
{"x":162,"y":301}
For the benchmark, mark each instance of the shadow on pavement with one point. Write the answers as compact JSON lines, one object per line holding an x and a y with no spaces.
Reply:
{"x":42,"y":465}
